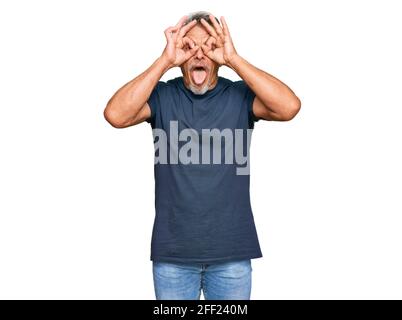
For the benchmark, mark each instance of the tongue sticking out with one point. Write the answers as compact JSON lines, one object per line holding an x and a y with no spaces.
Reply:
{"x":199,"y":76}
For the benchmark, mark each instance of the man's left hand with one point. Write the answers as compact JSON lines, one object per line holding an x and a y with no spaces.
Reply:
{"x":219,"y":47}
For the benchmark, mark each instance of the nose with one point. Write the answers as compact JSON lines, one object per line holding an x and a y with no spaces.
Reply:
{"x":199,"y":54}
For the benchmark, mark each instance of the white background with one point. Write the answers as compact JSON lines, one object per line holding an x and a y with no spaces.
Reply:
{"x":77,"y":196}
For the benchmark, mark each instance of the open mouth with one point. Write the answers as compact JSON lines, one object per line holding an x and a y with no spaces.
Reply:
{"x":199,"y":75}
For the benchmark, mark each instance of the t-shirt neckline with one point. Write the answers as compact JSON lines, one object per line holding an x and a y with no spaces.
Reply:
{"x":206,"y":94}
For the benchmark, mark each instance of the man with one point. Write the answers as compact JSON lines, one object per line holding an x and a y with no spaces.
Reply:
{"x":204,"y":235}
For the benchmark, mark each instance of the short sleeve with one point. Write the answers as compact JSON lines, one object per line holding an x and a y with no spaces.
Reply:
{"x":155,"y":100}
{"x":248,"y":96}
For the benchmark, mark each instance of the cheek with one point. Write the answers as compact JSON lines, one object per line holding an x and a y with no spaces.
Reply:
{"x":212,"y":65}
{"x":185,"y":68}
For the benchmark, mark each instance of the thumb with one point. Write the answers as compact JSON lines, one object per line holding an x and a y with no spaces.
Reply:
{"x":207,"y":50}
{"x":191,"y":52}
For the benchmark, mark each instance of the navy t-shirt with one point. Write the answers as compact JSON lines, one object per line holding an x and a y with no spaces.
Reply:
{"x":203,"y":211}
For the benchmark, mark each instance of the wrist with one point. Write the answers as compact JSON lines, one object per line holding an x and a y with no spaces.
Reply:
{"x":164,"y":62}
{"x":233,"y":61}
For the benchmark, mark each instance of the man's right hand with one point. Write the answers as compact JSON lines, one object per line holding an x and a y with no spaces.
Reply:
{"x":179,"y":48}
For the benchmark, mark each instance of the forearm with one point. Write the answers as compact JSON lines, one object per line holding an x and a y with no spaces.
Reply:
{"x":125,"y":105}
{"x":274,"y":94}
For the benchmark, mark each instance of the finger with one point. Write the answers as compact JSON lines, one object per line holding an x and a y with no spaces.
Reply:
{"x":216,"y":25}
{"x":210,"y":42}
{"x":218,"y":42}
{"x":210,"y":30}
{"x":179,"y":25}
{"x":187,"y":27}
{"x":172,"y":31}
{"x":207,"y":51}
{"x":205,"y":48}
{"x":189,"y":42}
{"x":174,"y":28}
{"x":169,"y":33}
{"x":191,"y":52}
{"x":225,"y":27}
{"x":181,"y":21}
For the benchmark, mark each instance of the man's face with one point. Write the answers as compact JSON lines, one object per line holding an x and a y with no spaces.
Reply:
{"x":199,"y":72}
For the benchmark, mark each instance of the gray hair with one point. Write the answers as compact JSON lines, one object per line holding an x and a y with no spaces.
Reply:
{"x":198,"y":15}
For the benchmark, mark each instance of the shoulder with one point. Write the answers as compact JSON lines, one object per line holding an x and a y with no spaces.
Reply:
{"x":171,"y":83}
{"x":164,"y":88}
{"x":239,"y":87}
{"x":174,"y":83}
{"x":169,"y":86}
{"x":236,"y":85}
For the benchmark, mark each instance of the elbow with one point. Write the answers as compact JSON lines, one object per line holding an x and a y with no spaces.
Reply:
{"x":113,"y":118}
{"x":292,"y":109}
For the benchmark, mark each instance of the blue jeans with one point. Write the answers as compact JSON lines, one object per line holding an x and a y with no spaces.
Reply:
{"x":185,"y":281}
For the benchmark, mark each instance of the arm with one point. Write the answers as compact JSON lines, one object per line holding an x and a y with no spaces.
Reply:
{"x":129,"y":106}
{"x":274,"y":100}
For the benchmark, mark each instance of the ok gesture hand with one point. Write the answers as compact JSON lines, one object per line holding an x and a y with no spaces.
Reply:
{"x":219,"y":46}
{"x":179,"y":48}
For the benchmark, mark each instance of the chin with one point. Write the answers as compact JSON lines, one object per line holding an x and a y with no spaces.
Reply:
{"x":199,"y":90}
